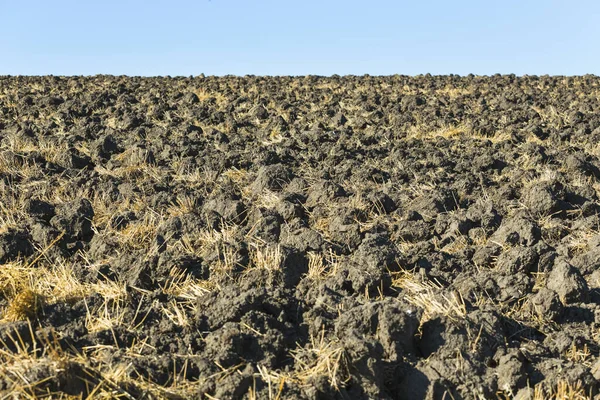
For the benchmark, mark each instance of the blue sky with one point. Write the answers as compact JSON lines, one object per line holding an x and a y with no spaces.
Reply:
{"x":376,"y":37}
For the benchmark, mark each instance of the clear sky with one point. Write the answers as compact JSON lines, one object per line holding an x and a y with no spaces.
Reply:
{"x":291,"y":37}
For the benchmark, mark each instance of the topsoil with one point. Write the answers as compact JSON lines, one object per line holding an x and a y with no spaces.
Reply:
{"x":300,"y":238}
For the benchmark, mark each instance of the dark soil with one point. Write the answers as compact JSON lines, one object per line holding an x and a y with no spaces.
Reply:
{"x":271,"y":238}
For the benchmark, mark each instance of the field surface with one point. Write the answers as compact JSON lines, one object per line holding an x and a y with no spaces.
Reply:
{"x":300,"y":238}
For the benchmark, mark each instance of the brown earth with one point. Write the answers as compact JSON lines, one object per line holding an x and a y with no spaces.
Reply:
{"x":300,"y":238}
